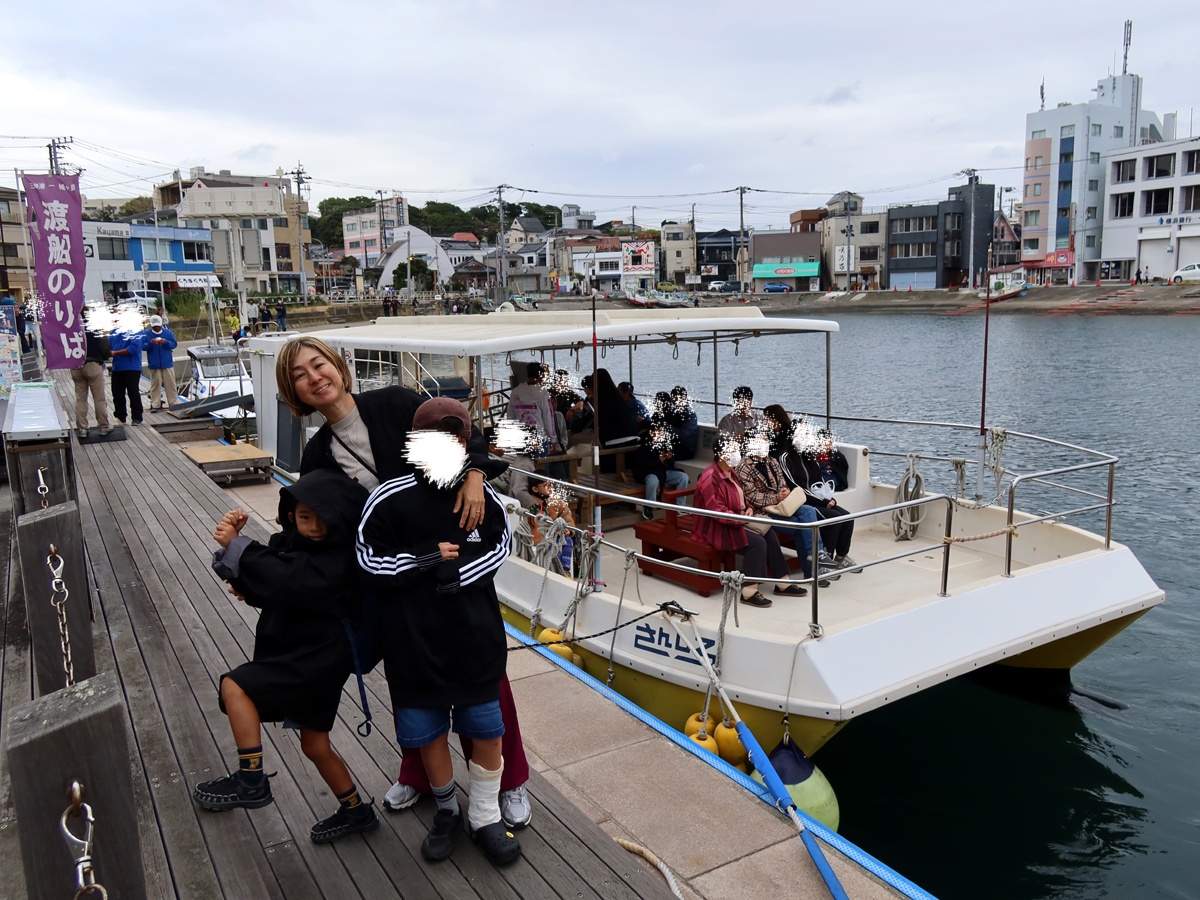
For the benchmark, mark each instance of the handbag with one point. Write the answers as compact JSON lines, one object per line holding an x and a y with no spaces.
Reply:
{"x":759,"y":527}
{"x":788,"y":505}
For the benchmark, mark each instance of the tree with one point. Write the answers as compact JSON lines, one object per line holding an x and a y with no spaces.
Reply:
{"x":136,"y":205}
{"x":105,"y":213}
{"x":327,"y":227}
{"x":348,"y":264}
{"x":420,"y":274}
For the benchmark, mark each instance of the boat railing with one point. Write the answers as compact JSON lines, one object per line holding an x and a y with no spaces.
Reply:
{"x":813,"y":581}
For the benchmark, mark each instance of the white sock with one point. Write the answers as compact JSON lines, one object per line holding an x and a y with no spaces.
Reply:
{"x":484,"y":805}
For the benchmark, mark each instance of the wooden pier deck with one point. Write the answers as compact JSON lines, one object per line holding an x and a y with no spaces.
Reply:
{"x":167,"y":627}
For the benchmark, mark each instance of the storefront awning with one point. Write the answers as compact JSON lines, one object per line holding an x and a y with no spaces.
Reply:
{"x":1059,"y":259}
{"x":787,"y":270}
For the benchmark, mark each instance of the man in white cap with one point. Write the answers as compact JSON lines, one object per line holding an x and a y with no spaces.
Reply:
{"x":159,"y":343}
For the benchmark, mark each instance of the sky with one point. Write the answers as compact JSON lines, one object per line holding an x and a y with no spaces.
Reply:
{"x":610,"y":105}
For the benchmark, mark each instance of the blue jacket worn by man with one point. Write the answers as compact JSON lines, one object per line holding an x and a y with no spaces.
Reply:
{"x":159,"y":356}
{"x":126,"y":374}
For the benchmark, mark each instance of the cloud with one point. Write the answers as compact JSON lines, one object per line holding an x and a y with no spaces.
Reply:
{"x":698,"y":167}
{"x":256,"y":153}
{"x":843,"y":93}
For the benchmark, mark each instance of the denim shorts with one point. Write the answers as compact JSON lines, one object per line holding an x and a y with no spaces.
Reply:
{"x":418,"y":727}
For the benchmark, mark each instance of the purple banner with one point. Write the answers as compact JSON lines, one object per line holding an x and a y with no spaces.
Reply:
{"x":56,"y":227}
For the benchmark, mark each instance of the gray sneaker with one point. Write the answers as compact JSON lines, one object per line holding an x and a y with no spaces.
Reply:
{"x":515,"y":808}
{"x":400,"y":796}
{"x":845,"y":562}
{"x":81,"y":433}
{"x":107,"y":429}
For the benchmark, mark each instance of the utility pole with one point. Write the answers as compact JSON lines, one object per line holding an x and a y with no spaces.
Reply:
{"x":300,"y":176}
{"x":972,"y":178}
{"x":53,"y":147}
{"x":742,"y":229}
{"x":849,"y":230}
{"x":633,"y":219}
{"x":500,"y":261}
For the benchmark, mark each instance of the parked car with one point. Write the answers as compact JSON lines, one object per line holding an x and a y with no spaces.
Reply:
{"x":146,"y":299}
{"x":667,"y":286}
{"x":777,"y":287}
{"x":1187,"y":273}
{"x":724,"y":287}
{"x":715,"y":287}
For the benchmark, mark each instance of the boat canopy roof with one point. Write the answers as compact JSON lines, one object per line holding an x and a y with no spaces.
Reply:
{"x":502,"y":332}
{"x":210,"y":352}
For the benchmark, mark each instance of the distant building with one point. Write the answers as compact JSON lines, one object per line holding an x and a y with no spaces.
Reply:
{"x":1006,"y":242}
{"x":524,"y":230}
{"x":1151,"y":210}
{"x":867,"y":254}
{"x":940,"y":245}
{"x":259,"y":227}
{"x":574,"y":217}
{"x":110,"y":265}
{"x":718,"y":252}
{"x":786,"y":257}
{"x":412,"y":241}
{"x":678,"y":251}
{"x":369,"y":231}
{"x":639,"y":264}
{"x":16,"y":269}
{"x":1067,"y":151}
{"x":459,"y":249}
{"x":807,"y":219}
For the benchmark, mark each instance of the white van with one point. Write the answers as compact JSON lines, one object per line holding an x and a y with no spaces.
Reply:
{"x":1187,"y":273}
{"x":151,"y":300}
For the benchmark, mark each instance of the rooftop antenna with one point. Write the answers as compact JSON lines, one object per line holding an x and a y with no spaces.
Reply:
{"x":1128,"y":38}
{"x":1043,"y":93}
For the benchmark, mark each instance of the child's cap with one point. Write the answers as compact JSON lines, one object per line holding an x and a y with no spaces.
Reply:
{"x":430,"y":414}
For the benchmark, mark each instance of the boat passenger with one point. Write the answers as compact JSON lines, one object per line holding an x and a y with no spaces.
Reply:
{"x":811,"y":463}
{"x":580,"y":417}
{"x":411,"y":540}
{"x":304,"y":581}
{"x":636,"y":407}
{"x":654,"y":462}
{"x":766,"y":491}
{"x":617,"y":427}
{"x":718,"y":489}
{"x":530,"y":405}
{"x":683,"y":419}
{"x":371,"y":435}
{"x":743,"y":418}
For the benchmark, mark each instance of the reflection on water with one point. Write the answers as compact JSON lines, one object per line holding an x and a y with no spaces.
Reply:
{"x":966,"y":786}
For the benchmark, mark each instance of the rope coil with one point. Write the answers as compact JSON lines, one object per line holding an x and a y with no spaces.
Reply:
{"x":905,"y":522}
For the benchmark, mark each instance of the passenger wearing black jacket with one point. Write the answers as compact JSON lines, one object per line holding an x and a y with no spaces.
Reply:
{"x":444,"y":647}
{"x":365,"y":436}
{"x":811,"y":468}
{"x":653,"y":463}
{"x":304,"y":581}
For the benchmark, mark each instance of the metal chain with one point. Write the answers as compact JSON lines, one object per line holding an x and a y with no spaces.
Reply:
{"x":42,"y":488}
{"x":58,"y":599}
{"x":81,"y":848}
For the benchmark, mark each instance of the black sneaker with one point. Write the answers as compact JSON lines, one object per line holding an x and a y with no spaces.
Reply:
{"x":648,"y":513}
{"x":231,"y":792}
{"x":757,"y":599}
{"x":440,"y":840}
{"x":498,"y":844}
{"x":343,"y":822}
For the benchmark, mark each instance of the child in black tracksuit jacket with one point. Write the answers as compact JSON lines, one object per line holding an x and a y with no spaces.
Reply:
{"x":305,"y":582}
{"x":445,"y":650}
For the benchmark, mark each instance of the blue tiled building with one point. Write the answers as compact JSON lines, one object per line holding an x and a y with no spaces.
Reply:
{"x":178,"y":251}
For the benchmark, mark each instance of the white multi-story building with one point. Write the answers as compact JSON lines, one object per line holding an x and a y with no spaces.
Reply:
{"x":1152,"y":210}
{"x":679,"y":251}
{"x":110,"y":266}
{"x":1067,"y":150}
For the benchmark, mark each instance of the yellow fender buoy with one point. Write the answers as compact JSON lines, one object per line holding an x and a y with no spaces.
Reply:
{"x":577,"y":660}
{"x":563,"y":650}
{"x":548,"y":635}
{"x":729,"y":745}
{"x":708,"y":742}
{"x":692,"y":725}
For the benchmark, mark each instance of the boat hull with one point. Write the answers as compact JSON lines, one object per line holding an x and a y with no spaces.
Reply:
{"x":1067,"y":652}
{"x":673,"y":703}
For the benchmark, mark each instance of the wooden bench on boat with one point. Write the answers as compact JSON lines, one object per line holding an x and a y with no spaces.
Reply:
{"x":671,"y":538}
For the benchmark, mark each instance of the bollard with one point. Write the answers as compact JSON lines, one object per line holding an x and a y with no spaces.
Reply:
{"x":37,"y":531}
{"x":76,"y":734}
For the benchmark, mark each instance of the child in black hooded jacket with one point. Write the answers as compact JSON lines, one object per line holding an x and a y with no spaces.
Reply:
{"x":304,"y":581}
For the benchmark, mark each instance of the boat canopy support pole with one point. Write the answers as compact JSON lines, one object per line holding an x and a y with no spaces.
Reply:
{"x":828,"y":388}
{"x":716,"y":392}
{"x":946,"y":550}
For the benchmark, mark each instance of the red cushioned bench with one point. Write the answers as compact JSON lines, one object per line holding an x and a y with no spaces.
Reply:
{"x":671,"y":538}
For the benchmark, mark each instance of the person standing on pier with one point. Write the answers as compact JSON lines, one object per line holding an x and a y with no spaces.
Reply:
{"x":160,"y":360}
{"x":126,"y":349}
{"x":365,"y":436}
{"x":304,"y":582}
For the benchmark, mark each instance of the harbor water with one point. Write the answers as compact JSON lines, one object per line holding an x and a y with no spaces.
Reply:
{"x":1006,"y":786}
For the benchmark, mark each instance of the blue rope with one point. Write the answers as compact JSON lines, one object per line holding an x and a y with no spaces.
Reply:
{"x":811,"y":825}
